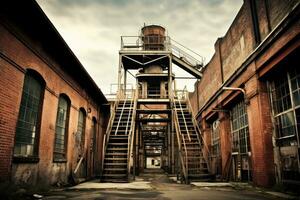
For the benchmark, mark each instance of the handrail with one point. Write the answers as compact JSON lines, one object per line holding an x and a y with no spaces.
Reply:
{"x":191,"y":56}
{"x":129,"y":115}
{"x":108,"y":130}
{"x":199,"y":133}
{"x":186,"y":128}
{"x":132,"y":131}
{"x":179,"y":135}
{"x":121,"y":115}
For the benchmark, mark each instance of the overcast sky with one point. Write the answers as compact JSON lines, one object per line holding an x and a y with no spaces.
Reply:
{"x":92,"y":28}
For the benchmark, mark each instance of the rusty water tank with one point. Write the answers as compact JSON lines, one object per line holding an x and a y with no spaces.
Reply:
{"x":153,"y":37}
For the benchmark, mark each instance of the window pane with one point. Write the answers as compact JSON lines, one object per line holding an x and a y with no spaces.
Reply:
{"x":61,"y":128}
{"x":215,"y":138}
{"x":81,"y":127}
{"x":282,"y":106}
{"x":28,"y":117}
{"x":239,"y":128}
{"x":281,"y":95}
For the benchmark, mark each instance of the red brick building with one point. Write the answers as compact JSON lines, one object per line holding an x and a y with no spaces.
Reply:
{"x":252,"y":127}
{"x":52,"y":114}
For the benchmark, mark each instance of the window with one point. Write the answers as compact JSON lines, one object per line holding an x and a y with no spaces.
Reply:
{"x":215,"y":138}
{"x":81,"y":127}
{"x":28,"y":125}
{"x":284,"y":91}
{"x":285,"y":99}
{"x":61,"y":129}
{"x":239,"y":129}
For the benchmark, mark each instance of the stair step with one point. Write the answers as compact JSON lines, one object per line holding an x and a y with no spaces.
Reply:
{"x":116,"y":169}
{"x":115,"y":175}
{"x":115,"y":163}
{"x":114,"y":143}
{"x":116,"y":154}
{"x":115,"y":159}
{"x":116,"y":149}
{"x":114,"y":180}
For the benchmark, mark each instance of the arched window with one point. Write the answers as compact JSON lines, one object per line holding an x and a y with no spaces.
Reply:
{"x":29,"y":120}
{"x":93,"y":134}
{"x":61,"y":128}
{"x":81,"y":126}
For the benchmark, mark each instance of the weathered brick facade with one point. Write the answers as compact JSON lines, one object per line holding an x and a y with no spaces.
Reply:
{"x":29,"y":42}
{"x":261,"y":39}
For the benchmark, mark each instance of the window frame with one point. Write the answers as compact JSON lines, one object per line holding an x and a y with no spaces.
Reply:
{"x":35,"y":155}
{"x":215,"y":139}
{"x":83,"y":133}
{"x":281,"y":140}
{"x":66,"y":130}
{"x":236,"y":128}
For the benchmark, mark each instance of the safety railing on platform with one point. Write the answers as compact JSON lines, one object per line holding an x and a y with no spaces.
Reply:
{"x":162,"y":43}
{"x":145,"y":43}
{"x":187,"y":55}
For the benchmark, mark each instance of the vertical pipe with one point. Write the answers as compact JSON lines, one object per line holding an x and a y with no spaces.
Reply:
{"x":134,"y":153}
{"x":170,"y":78}
{"x":119,"y":73}
{"x":125,"y":80}
{"x":173,"y":150}
{"x":255,"y":21}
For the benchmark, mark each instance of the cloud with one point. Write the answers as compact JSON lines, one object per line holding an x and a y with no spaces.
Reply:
{"x":92,"y":28}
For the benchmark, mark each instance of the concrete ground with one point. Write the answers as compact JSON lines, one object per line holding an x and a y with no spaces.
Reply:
{"x":160,"y":186}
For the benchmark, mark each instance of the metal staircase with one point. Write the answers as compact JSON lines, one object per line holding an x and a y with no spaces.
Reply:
{"x":119,"y":140}
{"x":194,"y":161}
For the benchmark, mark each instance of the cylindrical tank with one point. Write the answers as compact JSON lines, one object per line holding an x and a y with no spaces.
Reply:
{"x":153,"y":37}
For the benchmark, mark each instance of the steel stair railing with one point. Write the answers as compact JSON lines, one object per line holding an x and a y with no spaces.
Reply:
{"x":121,"y":115}
{"x":180,"y":137}
{"x":198,"y":131}
{"x":108,"y":130}
{"x":184,"y":120}
{"x":129,"y":114}
{"x":132,"y":131}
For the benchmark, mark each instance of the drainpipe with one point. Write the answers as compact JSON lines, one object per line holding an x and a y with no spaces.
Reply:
{"x":238,"y":89}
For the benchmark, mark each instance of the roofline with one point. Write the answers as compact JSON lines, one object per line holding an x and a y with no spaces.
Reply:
{"x":66,"y":46}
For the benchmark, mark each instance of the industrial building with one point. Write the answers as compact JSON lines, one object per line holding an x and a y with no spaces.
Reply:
{"x":52,"y":114}
{"x":241,"y":123}
{"x":247,"y":100}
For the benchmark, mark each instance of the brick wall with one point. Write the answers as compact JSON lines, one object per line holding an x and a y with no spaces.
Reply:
{"x":238,"y":54}
{"x":11,"y":82}
{"x":16,"y":56}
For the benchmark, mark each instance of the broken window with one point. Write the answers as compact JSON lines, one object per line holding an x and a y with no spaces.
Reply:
{"x":61,"y":128}
{"x":28,"y":125}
